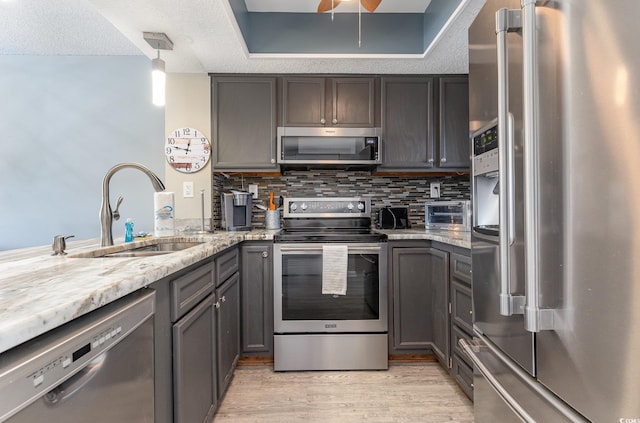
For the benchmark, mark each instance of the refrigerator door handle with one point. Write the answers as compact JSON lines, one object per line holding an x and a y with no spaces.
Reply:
{"x":493,"y":381}
{"x":536,"y":319}
{"x":506,"y":21}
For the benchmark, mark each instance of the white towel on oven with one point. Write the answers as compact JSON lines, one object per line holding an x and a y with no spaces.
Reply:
{"x":334,"y":269}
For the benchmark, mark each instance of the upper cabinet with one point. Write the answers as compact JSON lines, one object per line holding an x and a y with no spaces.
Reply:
{"x":453,"y":107}
{"x":244,"y":123}
{"x":339,"y":102}
{"x":424,"y":118}
{"x":425,"y":123}
{"x":408,"y":123}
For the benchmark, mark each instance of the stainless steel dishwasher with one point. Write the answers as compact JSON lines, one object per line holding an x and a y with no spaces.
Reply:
{"x":97,"y":368}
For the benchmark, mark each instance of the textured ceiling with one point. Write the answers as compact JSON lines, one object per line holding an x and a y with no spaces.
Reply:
{"x":205,"y":36}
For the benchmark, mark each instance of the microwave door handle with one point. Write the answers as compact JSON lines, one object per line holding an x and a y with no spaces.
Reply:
{"x":506,"y":21}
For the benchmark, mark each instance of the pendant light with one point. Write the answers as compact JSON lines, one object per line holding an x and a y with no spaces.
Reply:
{"x":158,"y":41}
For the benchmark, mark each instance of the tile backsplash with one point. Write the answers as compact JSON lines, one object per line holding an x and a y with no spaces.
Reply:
{"x":410,"y":191}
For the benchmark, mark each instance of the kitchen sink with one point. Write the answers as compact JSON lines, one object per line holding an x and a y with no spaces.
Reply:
{"x":139,"y":249}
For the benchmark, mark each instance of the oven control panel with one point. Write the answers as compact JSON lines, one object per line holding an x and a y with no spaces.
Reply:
{"x":327,"y":207}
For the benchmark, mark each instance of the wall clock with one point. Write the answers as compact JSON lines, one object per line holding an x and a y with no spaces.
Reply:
{"x":187,"y":150}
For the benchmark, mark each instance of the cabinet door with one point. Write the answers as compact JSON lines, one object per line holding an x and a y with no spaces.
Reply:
{"x":194,"y":373}
{"x":257,"y":300}
{"x":439,"y":276}
{"x":244,"y":123}
{"x":407,"y":122}
{"x":461,"y":309}
{"x":353,"y":102}
{"x":412,"y":299}
{"x":228,"y":319}
{"x":303,"y":101}
{"x":454,"y":144}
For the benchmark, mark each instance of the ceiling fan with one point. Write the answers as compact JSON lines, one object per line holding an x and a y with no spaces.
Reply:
{"x":326,"y":5}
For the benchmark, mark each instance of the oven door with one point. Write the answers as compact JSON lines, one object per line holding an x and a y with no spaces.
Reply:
{"x":300,"y":306}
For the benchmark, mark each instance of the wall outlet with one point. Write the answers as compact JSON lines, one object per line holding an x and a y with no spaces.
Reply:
{"x":434,"y":190}
{"x":253,"y":189}
{"x":187,"y":189}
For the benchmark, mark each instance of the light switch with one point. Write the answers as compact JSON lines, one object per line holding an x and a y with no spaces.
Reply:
{"x":187,"y":189}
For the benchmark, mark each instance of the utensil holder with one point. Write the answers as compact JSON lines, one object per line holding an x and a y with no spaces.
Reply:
{"x":272,"y":219}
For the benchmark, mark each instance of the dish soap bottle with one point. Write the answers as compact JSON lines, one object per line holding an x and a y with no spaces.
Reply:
{"x":128,"y":230}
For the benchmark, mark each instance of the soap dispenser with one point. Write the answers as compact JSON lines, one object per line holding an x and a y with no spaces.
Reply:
{"x":128,"y":230}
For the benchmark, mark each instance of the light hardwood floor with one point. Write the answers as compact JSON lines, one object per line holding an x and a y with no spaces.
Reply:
{"x":405,"y":393}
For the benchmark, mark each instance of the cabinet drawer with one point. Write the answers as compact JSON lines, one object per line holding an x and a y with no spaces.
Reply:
{"x":226,"y":265}
{"x":456,"y":335}
{"x":461,"y":311}
{"x":461,"y":267}
{"x":190,"y":289}
{"x":463,"y":374}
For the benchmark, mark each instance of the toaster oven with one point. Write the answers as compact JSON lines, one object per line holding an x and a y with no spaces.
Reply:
{"x":450,"y":215}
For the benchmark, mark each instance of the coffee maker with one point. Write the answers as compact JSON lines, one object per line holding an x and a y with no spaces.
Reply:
{"x":236,"y":210}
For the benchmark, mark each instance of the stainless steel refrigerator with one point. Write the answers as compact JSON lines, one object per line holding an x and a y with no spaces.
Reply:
{"x":555,"y":117}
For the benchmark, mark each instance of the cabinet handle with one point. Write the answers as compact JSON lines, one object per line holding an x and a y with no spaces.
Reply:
{"x":217,"y":304}
{"x":273,"y":160}
{"x":430,"y":160}
{"x":323,"y":121}
{"x":265,"y":254}
{"x":443,"y":160}
{"x":334,"y":121}
{"x":223,"y":299}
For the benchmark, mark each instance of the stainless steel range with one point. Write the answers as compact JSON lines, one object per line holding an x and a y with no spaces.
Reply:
{"x":330,"y":287}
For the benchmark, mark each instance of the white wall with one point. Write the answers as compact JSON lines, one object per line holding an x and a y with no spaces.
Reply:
{"x":64,"y":122}
{"x":189,"y":105}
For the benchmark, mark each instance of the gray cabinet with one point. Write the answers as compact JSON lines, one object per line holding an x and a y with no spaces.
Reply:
{"x":244,"y":123}
{"x":408,"y":128}
{"x":319,"y":101}
{"x":453,"y":108}
{"x":257,"y":300}
{"x":228,"y":329}
{"x":412,"y":320}
{"x":461,"y":320}
{"x":193,"y":345}
{"x":439,"y":278}
{"x":195,"y":397}
{"x":425,"y":123}
{"x":420,"y":301}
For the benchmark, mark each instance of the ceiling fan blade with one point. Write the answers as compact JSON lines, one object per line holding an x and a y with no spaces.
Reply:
{"x":370,"y":5}
{"x":326,"y":5}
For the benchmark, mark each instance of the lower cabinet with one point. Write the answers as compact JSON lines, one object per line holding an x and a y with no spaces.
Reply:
{"x":461,"y":320}
{"x":257,"y":299}
{"x":420,"y":301}
{"x":431,"y":303}
{"x":194,"y":373}
{"x":228,"y":330}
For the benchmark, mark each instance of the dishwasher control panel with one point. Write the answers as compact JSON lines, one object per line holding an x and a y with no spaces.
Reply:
{"x":49,"y":364}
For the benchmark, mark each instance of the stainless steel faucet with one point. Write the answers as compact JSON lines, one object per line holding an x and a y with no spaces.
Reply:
{"x":106,"y":215}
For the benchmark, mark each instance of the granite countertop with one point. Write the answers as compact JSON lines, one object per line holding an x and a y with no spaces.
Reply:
{"x":456,"y":238}
{"x":39,"y":292}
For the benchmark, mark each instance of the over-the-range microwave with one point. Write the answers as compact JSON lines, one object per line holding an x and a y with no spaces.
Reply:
{"x":329,"y":146}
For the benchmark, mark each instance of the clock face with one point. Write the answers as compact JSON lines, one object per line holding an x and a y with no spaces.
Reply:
{"x":187,"y":150}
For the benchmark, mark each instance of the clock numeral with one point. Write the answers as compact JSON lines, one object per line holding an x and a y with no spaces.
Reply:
{"x":196,"y":166}
{"x":171,"y":141}
{"x":203,"y":159}
{"x":168,"y":150}
{"x":172,"y":159}
{"x":203,"y":140}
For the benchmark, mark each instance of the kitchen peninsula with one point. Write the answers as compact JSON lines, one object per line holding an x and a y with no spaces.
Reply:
{"x":40,"y":292}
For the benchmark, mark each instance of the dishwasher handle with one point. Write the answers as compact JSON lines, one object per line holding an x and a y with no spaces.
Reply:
{"x":69,"y":387}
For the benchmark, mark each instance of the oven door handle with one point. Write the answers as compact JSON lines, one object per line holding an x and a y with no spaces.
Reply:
{"x":353,"y":248}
